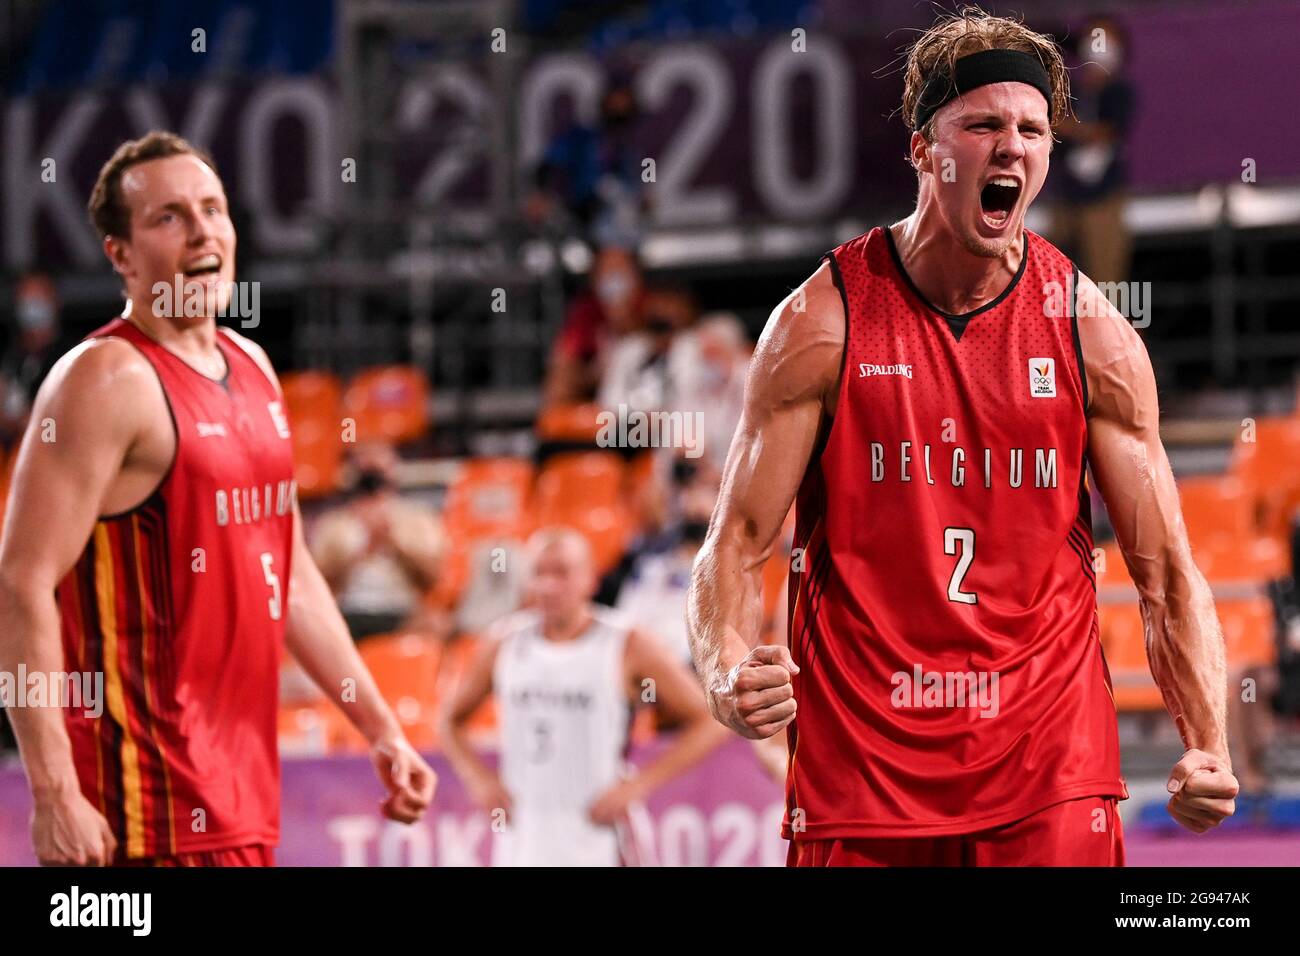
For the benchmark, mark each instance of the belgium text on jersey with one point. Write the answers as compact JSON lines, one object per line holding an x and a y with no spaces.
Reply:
{"x":74,"y":908}
{"x":255,"y":502}
{"x":70,"y":689}
{"x":906,"y":465}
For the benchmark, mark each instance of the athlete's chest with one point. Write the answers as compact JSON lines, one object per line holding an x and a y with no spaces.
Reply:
{"x":229,"y":437}
{"x":1011,"y":368}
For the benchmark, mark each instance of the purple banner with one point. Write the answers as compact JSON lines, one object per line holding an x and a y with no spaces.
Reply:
{"x":726,"y":811}
{"x":774,"y":128}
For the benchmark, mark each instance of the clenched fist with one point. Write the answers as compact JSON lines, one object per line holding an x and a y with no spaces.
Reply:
{"x":756,"y":697}
{"x":1204,"y":791}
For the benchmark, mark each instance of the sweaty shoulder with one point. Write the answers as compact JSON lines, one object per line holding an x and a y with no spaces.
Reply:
{"x":1121,"y":384}
{"x":97,"y":375}
{"x":799,"y":354}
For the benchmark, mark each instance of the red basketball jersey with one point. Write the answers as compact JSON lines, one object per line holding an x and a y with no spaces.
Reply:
{"x":943,"y":607}
{"x":180,"y":603}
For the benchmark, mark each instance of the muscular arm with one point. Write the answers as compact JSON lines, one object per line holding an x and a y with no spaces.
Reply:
{"x":1184,"y":642}
{"x":793,"y":381}
{"x":71,"y":454}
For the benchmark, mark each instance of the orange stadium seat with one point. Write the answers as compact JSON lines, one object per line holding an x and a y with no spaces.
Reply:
{"x":1216,"y":510}
{"x":1247,"y":559}
{"x":306,"y":392}
{"x":314,"y":403}
{"x":576,"y":423}
{"x":1248,"y":631}
{"x":580,"y":479}
{"x":1269,"y":467}
{"x":1124,"y":641}
{"x":489,"y":498}
{"x":388,"y":403}
{"x":584,"y":491}
{"x":405,"y":666}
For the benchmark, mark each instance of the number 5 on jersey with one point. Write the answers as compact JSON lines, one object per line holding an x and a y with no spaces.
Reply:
{"x":273,"y":582}
{"x":951,"y":537}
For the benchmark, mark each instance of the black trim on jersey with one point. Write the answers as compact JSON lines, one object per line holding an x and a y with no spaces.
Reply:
{"x":1074,"y":333}
{"x":838,"y":278}
{"x":224,"y":381}
{"x":157,"y":491}
{"x":1077,"y":541}
{"x":827,"y":421}
{"x":957,"y":323}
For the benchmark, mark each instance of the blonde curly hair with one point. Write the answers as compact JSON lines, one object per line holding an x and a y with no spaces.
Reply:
{"x":969,"y":30}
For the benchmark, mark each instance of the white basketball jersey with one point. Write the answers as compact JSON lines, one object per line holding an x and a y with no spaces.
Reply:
{"x":564,"y":717}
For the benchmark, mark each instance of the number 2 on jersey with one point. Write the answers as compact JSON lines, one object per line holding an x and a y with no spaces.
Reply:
{"x":951,"y":536}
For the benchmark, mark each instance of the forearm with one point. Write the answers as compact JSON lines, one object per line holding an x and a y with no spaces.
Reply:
{"x":29,"y":635}
{"x":696,"y":741}
{"x":318,"y":638}
{"x":724,"y":608}
{"x":1185,"y":650}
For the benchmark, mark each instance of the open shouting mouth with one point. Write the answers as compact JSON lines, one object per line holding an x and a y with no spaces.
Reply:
{"x":998,"y":197}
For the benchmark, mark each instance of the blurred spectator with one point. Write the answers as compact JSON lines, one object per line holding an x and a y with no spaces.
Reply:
{"x":379,"y":552}
{"x":596,"y":318}
{"x":1089,"y":221}
{"x":592,"y":176}
{"x":35,"y":344}
{"x":714,"y":380}
{"x":653,"y":596}
{"x":647,"y":368}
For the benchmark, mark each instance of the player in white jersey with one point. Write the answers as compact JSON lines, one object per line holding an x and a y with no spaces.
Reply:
{"x":567,"y":678}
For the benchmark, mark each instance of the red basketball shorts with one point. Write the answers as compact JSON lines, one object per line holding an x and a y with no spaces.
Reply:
{"x":256,"y":855}
{"x":1082,"y":832}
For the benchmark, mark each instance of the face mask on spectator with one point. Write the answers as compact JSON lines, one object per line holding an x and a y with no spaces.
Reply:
{"x":371,"y":480}
{"x":659,"y":325}
{"x":35,"y":313}
{"x":613,"y":288}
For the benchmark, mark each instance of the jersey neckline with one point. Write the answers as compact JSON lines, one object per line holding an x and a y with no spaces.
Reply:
{"x":223,"y":382}
{"x":957,"y":323}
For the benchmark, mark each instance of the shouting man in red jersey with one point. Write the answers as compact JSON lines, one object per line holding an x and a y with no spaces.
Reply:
{"x":153,"y":522}
{"x":929,"y":399}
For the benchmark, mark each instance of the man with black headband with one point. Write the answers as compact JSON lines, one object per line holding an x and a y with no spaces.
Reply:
{"x":929,"y":398}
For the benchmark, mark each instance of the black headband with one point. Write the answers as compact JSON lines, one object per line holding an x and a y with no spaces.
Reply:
{"x":981,"y":69}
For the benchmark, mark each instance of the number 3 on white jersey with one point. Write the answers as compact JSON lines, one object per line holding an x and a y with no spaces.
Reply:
{"x":273,"y":582}
{"x":967,"y":538}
